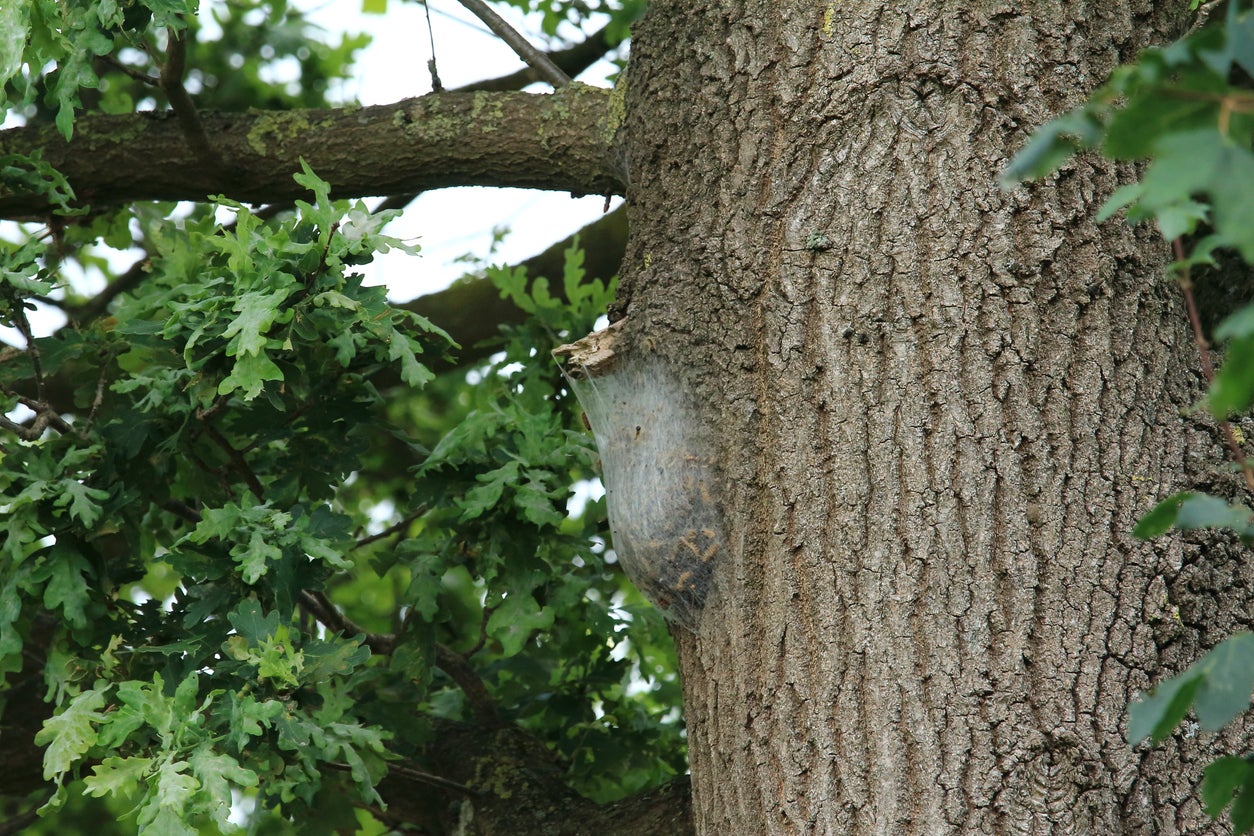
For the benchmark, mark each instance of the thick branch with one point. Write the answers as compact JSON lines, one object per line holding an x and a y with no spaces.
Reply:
{"x":562,"y":141}
{"x":473,"y":311}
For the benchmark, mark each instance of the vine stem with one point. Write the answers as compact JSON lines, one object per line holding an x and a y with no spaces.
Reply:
{"x":1208,"y":369}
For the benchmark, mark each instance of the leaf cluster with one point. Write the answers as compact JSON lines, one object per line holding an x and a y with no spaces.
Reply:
{"x":222,"y":481}
{"x":58,"y":59}
{"x":255,"y":545}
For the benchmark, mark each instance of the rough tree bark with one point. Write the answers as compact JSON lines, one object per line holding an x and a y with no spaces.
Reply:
{"x":942,"y":408}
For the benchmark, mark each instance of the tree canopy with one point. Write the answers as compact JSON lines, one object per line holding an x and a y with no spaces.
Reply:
{"x":272,"y":543}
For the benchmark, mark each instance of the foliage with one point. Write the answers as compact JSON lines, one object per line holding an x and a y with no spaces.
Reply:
{"x":268,"y":504}
{"x":1188,"y":111}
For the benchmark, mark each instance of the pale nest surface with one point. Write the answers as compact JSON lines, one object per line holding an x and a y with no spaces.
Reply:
{"x":660,"y":480}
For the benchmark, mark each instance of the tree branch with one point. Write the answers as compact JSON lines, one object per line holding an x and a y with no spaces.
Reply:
{"x":473,"y":311}
{"x":572,"y":60}
{"x":172,"y":73}
{"x":534,"y":58}
{"x":562,"y":141}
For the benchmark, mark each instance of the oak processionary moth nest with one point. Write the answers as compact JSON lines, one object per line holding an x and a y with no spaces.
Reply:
{"x":658,"y":469}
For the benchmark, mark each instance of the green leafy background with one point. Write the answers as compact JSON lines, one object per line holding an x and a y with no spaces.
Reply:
{"x":257,"y":435}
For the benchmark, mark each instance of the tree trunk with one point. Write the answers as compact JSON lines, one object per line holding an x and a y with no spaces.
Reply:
{"x":940,"y":409}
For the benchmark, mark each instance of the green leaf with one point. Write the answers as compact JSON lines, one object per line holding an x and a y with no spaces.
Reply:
{"x":278,"y":661}
{"x":533,"y":497}
{"x":482,"y":498}
{"x":83,"y":501}
{"x":413,"y":373}
{"x":1181,"y":218}
{"x":14,"y":25}
{"x":71,"y":733}
{"x":1217,"y":686}
{"x":1222,"y":778}
{"x":67,"y":589}
{"x":250,"y":718}
{"x":257,"y":312}
{"x":117,"y":776}
{"x":218,"y":774}
{"x":254,"y":559}
{"x":1229,"y":679}
{"x":149,"y":704}
{"x":1157,"y":715}
{"x":1206,"y":511}
{"x":1234,"y":210}
{"x":164,"y":811}
{"x":1123,"y":196}
{"x":1241,"y":37}
{"x":249,"y":375}
{"x":1161,"y":518}
{"x":1232,"y":390}
{"x":249,"y":622}
{"x":1188,"y":510}
{"x":513,"y":622}
{"x":1242,"y":814}
{"x":1135,"y":128}
{"x":1237,"y":325}
{"x":1052,"y":144}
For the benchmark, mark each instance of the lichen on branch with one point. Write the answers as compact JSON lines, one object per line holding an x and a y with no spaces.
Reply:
{"x":554,"y":141}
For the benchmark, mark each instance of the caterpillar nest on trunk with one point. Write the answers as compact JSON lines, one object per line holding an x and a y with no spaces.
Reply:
{"x":660,"y":474}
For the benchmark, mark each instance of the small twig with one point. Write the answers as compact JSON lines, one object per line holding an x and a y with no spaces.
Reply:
{"x":100,"y":389}
{"x":326,"y":251}
{"x":181,"y":103}
{"x":428,"y":778}
{"x":18,"y":823}
{"x":320,"y":605}
{"x":228,"y":487}
{"x":448,"y":660}
{"x":392,"y":529}
{"x":182,"y":510}
{"x":236,"y":457}
{"x":414,"y":775}
{"x":138,"y":75}
{"x":467,"y":678}
{"x":483,"y":633}
{"x":1208,"y":370}
{"x":94,"y":307}
{"x":219,"y":404}
{"x":571,"y":60}
{"x":435,"y":73}
{"x":45,"y":416}
{"x":522,"y":48}
{"x":23,"y":327}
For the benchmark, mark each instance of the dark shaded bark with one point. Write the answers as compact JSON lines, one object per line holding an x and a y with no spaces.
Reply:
{"x":518,"y":788}
{"x":563,"y":141}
